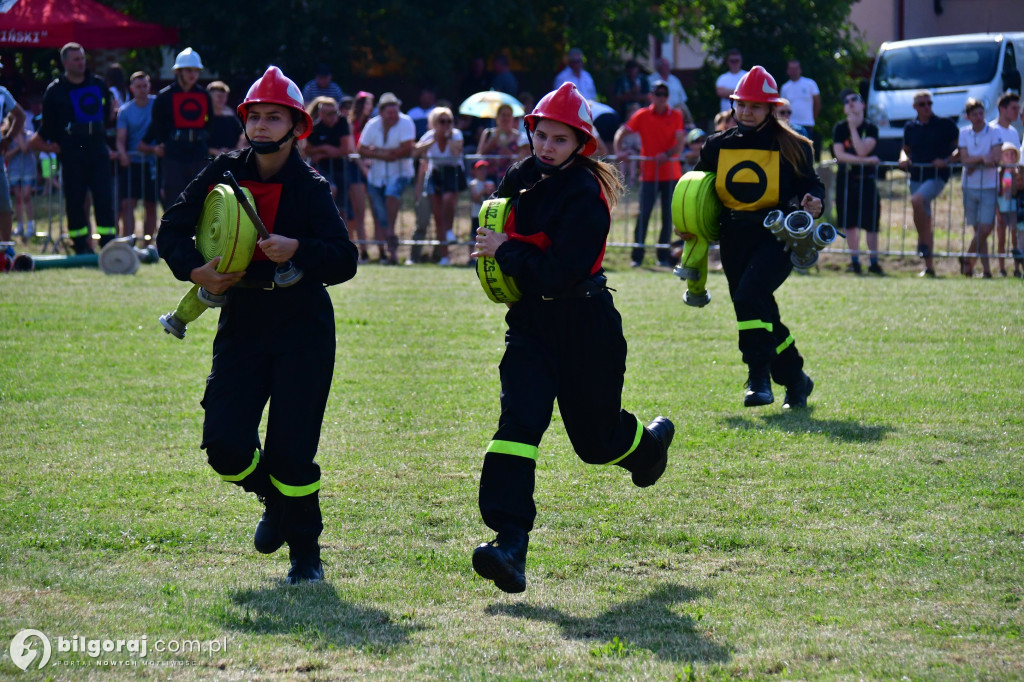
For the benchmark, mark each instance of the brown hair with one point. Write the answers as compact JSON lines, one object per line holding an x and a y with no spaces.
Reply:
{"x":792,"y":146}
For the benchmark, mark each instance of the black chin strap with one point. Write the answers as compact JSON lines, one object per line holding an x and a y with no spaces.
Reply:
{"x":267,"y":147}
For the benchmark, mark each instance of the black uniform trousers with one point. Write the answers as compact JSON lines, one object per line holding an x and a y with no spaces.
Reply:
{"x":263,"y":353}
{"x":571,"y":350}
{"x":86,"y":167}
{"x":755,"y":265}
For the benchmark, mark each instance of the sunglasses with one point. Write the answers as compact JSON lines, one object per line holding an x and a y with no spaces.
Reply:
{"x":784,"y":112}
{"x":734,"y":60}
{"x":661,"y":93}
{"x":444,"y":121}
{"x":851,"y":99}
{"x":922,"y":104}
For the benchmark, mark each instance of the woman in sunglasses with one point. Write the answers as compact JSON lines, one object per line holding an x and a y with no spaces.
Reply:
{"x":857,"y":202}
{"x":442,"y":145}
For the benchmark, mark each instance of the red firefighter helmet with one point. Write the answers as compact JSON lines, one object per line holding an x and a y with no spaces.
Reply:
{"x":757,"y":85}
{"x":273,"y":87}
{"x":566,"y":105}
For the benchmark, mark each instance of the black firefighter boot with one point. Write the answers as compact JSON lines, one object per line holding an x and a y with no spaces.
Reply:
{"x":759,"y":387}
{"x":797,"y":393}
{"x":503,"y":560}
{"x":303,"y":525}
{"x":269,"y":535}
{"x":647,"y":463}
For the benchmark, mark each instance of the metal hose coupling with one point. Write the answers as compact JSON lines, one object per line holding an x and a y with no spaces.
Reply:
{"x":802,"y":239}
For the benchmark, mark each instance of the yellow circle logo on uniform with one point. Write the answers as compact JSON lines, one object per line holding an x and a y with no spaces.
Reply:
{"x":748,"y":179}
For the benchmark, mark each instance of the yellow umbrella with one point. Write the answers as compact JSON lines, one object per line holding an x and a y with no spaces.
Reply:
{"x":486,"y":104}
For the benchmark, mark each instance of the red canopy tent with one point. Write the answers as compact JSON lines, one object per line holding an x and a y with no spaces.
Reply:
{"x":52,"y":23}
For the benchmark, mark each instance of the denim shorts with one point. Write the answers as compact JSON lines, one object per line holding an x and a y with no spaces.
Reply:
{"x":378,"y":195}
{"x":979,"y":206}
{"x":929,"y":189}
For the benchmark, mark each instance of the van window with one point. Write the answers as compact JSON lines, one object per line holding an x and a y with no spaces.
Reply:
{"x":937,"y":66}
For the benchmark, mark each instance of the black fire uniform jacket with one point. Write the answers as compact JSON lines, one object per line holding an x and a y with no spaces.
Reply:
{"x":272,"y":343}
{"x":564,"y":341}
{"x":751,"y":179}
{"x":75,"y":116}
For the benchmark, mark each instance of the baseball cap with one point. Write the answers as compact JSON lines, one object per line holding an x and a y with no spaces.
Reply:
{"x":658,"y":83}
{"x":695,"y":135}
{"x":322,"y":69}
{"x":480,"y":164}
{"x":388,"y":98}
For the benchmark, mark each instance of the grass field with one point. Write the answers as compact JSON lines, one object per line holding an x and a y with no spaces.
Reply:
{"x":877,"y":535}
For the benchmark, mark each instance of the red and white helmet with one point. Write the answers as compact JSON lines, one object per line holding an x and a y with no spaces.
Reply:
{"x":273,"y":87}
{"x":757,"y":85}
{"x":566,"y":105}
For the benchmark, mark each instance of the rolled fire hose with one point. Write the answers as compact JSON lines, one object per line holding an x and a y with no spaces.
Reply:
{"x":223,"y":230}
{"x":695,"y":211}
{"x":498,"y":286}
{"x":800,"y":236}
{"x":118,"y":257}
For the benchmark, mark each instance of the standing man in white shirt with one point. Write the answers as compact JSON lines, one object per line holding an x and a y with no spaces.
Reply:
{"x":726,"y":83}
{"x":387,"y":141}
{"x":676,"y":91}
{"x":805,"y":100}
{"x":577,"y":75}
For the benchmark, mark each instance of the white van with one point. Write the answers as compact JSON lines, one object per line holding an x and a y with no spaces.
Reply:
{"x":953,"y":68}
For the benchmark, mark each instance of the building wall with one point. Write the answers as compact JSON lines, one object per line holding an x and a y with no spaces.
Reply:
{"x":879,"y":20}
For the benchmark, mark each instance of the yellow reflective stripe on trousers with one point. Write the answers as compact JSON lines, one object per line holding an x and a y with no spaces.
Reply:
{"x":636,"y":442}
{"x":252,"y":467}
{"x":81,"y":232}
{"x":754,"y":324}
{"x":507,"y":447}
{"x":106,"y":230}
{"x":295,"y":490}
{"x":785,"y":344}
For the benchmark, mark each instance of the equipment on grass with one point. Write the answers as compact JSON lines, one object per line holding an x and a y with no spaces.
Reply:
{"x":118,"y":257}
{"x":499,"y":287}
{"x":286,"y":274}
{"x":26,"y":263}
{"x":695,"y":211}
{"x":802,"y":239}
{"x":223,"y":230}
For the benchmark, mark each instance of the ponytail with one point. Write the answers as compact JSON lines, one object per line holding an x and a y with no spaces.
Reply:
{"x":607,"y":176}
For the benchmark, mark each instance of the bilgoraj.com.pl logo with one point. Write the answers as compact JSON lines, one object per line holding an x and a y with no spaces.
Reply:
{"x":32,"y":648}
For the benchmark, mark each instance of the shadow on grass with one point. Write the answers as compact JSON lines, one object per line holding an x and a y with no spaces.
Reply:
{"x":648,"y":623}
{"x":316,"y":615}
{"x":803,"y":421}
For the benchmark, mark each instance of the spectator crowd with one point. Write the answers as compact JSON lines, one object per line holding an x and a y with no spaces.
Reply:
{"x":119,"y":143}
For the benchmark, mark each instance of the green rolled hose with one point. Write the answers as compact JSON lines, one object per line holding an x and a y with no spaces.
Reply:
{"x":223,"y":230}
{"x":499,"y":287}
{"x":695,"y":212}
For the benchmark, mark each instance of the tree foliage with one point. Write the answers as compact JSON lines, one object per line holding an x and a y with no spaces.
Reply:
{"x":771,"y":32}
{"x":408,"y":43}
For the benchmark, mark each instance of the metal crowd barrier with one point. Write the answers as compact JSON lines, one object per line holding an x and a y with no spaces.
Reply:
{"x":897,"y":233}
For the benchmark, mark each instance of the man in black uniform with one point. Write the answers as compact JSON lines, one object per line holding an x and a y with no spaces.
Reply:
{"x":76,"y":107}
{"x":181,"y":127}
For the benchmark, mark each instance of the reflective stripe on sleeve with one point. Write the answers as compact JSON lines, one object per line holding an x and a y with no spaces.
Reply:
{"x":251,"y":468}
{"x":754,"y":324}
{"x":636,"y":442}
{"x":507,"y":447}
{"x":295,"y":490}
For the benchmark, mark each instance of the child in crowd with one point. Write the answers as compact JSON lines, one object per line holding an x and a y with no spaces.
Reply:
{"x":479,"y":189}
{"x":21,"y":173}
{"x":1006,"y":202}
